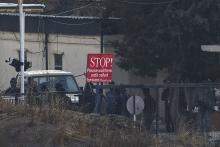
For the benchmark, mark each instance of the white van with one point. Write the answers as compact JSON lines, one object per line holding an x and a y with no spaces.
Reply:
{"x":54,"y":81}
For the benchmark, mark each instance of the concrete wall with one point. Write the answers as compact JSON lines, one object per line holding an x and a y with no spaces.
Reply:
{"x":10,"y":46}
{"x":74,"y":49}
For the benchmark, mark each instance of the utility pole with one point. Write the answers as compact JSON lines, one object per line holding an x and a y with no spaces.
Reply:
{"x":102,"y":27}
{"x":46,"y":50}
{"x":22,"y":31}
{"x":102,"y":35}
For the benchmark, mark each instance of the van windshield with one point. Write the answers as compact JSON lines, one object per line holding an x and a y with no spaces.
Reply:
{"x":58,"y":83}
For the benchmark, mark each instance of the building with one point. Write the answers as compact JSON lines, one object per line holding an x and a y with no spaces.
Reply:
{"x":59,"y":42}
{"x":51,"y":42}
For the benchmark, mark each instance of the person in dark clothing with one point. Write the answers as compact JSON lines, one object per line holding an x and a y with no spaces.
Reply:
{"x":109,"y":99}
{"x":150,"y":108}
{"x":204,"y":114}
{"x":118,"y":102}
{"x":13,"y":90}
{"x":124,"y":98}
{"x":32,"y":93}
{"x":168,"y":120}
{"x":99,"y":97}
{"x":61,"y":98}
{"x":89,"y":98}
{"x":59,"y":87}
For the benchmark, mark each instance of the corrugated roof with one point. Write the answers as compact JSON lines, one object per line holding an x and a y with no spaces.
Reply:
{"x":77,"y":25}
{"x":55,"y":16}
{"x":8,"y":5}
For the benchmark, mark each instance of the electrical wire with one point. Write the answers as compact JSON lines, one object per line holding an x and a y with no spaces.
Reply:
{"x":127,"y":2}
{"x":73,"y":24}
{"x":82,"y":7}
{"x":146,"y":3}
{"x":16,"y":38}
{"x":83,"y":74}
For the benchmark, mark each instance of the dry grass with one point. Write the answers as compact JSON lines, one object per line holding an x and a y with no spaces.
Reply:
{"x":187,"y":136}
{"x":53,"y":126}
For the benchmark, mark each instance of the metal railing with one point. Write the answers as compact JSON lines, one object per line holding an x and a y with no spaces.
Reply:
{"x":192,"y":103}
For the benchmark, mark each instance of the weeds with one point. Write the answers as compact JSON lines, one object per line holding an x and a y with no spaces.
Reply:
{"x":55,"y":126}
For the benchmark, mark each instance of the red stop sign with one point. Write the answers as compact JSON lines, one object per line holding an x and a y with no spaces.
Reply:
{"x":99,"y":68}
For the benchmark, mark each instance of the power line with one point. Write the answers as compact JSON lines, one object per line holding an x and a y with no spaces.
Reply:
{"x":82,"y":7}
{"x":146,"y":3}
{"x":73,"y":24}
{"x":125,"y":2}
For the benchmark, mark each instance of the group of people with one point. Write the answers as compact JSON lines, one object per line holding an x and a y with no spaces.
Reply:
{"x":113,"y":101}
{"x":109,"y":101}
{"x":193,"y":105}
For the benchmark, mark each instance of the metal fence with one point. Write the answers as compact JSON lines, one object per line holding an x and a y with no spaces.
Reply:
{"x":61,"y":100}
{"x":167,"y":106}
{"x":12,"y":99}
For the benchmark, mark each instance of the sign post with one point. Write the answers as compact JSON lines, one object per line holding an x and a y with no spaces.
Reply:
{"x":99,"y":68}
{"x":134,"y":113}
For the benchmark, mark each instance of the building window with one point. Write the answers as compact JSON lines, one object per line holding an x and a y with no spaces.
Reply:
{"x":58,"y":61}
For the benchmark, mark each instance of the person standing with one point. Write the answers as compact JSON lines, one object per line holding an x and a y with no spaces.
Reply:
{"x":99,"y":100}
{"x":168,"y":120}
{"x":118,"y":102}
{"x":109,"y":99}
{"x":124,"y":97}
{"x":89,"y":98}
{"x":150,"y":108}
{"x":13,"y":90}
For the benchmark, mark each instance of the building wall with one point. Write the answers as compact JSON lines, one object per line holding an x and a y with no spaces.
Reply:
{"x":10,"y":46}
{"x":74,"y":49}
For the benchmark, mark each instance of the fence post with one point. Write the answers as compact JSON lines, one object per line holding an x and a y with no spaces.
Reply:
{"x":157,"y":110}
{"x":134,"y":107}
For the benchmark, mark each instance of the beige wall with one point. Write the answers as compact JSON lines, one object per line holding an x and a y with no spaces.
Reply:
{"x":75,"y":49}
{"x":9,"y":43}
